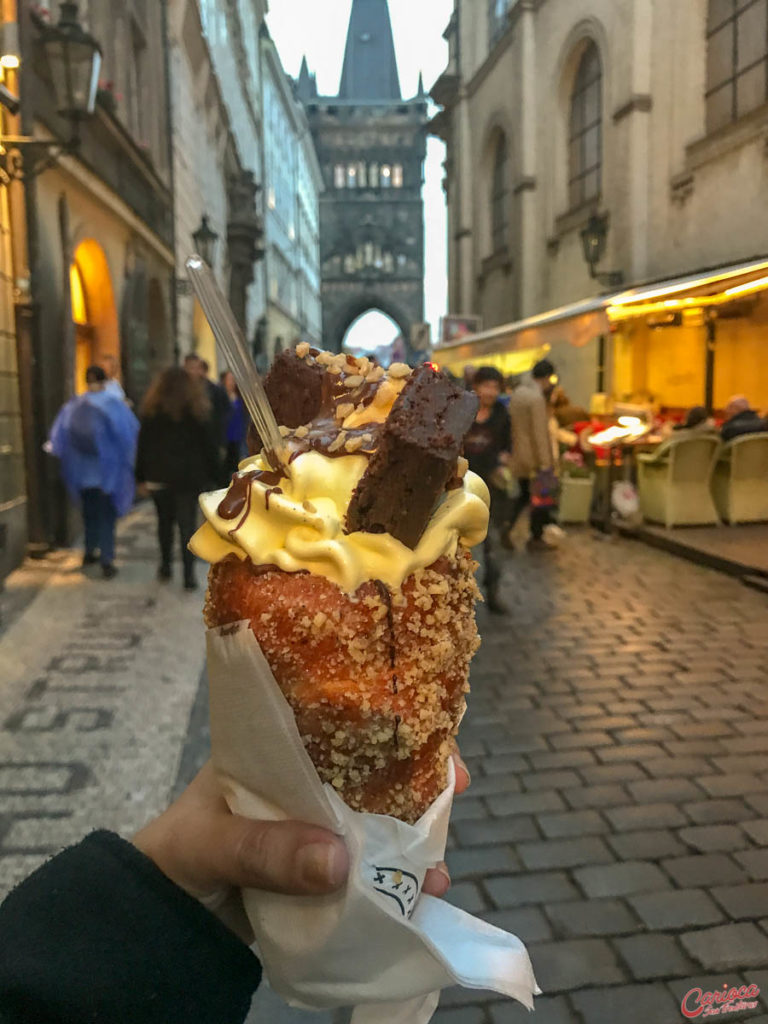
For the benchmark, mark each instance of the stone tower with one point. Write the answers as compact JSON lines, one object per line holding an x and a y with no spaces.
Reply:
{"x":371,"y":144}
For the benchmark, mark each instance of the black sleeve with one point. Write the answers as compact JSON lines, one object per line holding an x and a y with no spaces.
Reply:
{"x":99,"y":934}
{"x":504,"y":430}
{"x":141,"y":453}
{"x":214,"y":470}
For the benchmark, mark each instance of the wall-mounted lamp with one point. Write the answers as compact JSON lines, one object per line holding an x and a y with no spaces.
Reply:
{"x":74,"y":61}
{"x":593,"y":239}
{"x":205,"y":239}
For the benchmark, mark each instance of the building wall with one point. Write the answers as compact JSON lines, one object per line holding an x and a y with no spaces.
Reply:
{"x":292,"y":185}
{"x":677,"y":198}
{"x":12,"y":483}
{"x":201,"y":141}
{"x":232,"y":35}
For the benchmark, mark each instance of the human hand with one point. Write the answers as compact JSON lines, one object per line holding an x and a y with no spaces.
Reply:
{"x":205,"y":849}
{"x":211,"y":853}
{"x":142,"y":490}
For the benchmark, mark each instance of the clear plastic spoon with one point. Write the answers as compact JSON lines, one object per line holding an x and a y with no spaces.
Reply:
{"x":230,"y":338}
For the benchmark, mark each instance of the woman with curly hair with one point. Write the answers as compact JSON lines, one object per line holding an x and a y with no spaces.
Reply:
{"x":177,"y":459}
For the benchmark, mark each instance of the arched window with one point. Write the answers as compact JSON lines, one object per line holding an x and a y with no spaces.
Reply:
{"x":352,"y":176}
{"x":499,"y":195}
{"x":737,"y":59}
{"x":585,"y":136}
{"x":339,"y":176}
{"x":386,"y":176}
{"x":373,"y":175}
{"x":397,"y":176}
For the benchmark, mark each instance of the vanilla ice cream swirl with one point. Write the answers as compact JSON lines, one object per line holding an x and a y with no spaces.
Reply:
{"x":297,"y":523}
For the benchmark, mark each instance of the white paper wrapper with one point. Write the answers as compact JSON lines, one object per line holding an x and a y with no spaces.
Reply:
{"x":378,"y":944}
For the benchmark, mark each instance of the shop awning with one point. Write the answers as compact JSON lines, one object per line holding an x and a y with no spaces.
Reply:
{"x":515,"y":347}
{"x":715,"y":286}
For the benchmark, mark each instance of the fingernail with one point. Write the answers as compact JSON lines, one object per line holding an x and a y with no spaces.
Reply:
{"x":464,"y":768}
{"x":442,"y":867}
{"x":322,"y":865}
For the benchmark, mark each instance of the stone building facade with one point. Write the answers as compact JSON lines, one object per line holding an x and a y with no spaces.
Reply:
{"x":652,"y":114}
{"x":91,"y":240}
{"x":371,"y":144}
{"x":293,"y":182}
{"x":217,"y":136}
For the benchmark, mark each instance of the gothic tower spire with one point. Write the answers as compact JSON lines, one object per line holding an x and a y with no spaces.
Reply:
{"x":370,"y":65}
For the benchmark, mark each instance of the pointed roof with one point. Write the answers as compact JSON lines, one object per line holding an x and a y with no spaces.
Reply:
{"x":306,"y":85}
{"x":370,"y":65}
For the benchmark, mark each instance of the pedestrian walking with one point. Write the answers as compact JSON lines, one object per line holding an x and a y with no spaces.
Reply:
{"x":177,"y":459}
{"x":532,"y":460}
{"x":237,"y":424}
{"x":199,"y":369}
{"x":486,"y":448}
{"x":94,"y":436}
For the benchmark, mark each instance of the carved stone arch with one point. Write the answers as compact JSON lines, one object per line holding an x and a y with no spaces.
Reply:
{"x":361,"y":303}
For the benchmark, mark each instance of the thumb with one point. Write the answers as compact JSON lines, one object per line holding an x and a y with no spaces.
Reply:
{"x":281,"y":856}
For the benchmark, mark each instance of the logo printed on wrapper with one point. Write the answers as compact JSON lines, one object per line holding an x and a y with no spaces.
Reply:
{"x":729,"y":999}
{"x":399,"y":886}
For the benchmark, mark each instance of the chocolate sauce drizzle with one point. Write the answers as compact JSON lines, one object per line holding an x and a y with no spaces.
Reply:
{"x":239,"y":494}
{"x":269,"y":492}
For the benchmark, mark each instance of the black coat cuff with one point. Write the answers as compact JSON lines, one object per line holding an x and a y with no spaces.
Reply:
{"x":100,"y":934}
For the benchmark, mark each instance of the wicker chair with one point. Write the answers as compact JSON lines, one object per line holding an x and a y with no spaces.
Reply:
{"x":674,"y":481}
{"x":740,"y":479}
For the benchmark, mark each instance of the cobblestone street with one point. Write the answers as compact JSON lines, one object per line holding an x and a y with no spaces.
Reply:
{"x":618,"y":815}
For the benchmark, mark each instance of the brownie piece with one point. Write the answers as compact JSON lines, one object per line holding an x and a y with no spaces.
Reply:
{"x":415,"y":459}
{"x":294,"y":388}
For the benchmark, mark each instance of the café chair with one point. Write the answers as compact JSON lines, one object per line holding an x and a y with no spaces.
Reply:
{"x":674,"y":481}
{"x":740,"y":479}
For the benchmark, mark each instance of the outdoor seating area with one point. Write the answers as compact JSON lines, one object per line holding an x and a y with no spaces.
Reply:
{"x":701,"y":481}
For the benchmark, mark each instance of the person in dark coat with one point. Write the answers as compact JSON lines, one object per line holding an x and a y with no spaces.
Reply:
{"x":178,"y":457}
{"x":741,"y":419}
{"x":198,"y":369}
{"x":486,"y":448}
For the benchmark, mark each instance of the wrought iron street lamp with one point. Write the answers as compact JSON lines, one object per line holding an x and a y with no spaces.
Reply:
{"x":205,"y":239}
{"x":74,"y":59}
{"x":593,"y":240}
{"x":74,"y":62}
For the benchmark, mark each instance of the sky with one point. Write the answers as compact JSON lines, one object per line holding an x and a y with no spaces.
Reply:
{"x":318,"y":28}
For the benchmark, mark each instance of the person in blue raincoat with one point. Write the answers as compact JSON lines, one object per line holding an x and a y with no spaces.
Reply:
{"x":94,"y":436}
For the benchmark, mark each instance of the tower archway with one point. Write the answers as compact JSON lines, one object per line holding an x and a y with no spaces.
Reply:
{"x":93,"y":310}
{"x":375,"y":333}
{"x":355,"y":312}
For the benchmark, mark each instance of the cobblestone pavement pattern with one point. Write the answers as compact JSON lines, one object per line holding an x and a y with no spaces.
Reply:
{"x":618,"y":815}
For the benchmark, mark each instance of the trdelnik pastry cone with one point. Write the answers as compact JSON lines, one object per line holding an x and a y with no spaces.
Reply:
{"x":354,"y":571}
